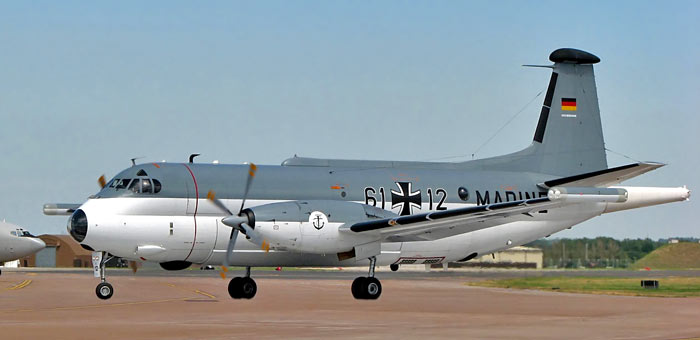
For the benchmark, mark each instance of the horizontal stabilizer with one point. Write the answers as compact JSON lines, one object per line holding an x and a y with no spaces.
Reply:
{"x":604,"y":178}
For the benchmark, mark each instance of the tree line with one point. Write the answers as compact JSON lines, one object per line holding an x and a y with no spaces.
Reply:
{"x":599,"y":252}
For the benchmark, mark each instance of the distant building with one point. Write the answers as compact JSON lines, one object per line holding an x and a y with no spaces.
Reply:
{"x":60,"y":251}
{"x":673,"y":241}
{"x":516,"y":257}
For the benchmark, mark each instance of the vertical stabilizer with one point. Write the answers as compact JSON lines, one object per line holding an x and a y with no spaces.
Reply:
{"x":569,"y":137}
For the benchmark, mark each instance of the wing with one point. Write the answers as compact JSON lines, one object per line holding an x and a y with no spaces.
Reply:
{"x":439,"y":224}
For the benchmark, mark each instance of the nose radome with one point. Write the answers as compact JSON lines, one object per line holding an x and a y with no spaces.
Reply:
{"x":38,"y":244}
{"x":78,"y":225}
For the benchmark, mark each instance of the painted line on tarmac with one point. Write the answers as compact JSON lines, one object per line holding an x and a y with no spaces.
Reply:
{"x":20,"y":285}
{"x":195,"y":291}
{"x":94,"y":306}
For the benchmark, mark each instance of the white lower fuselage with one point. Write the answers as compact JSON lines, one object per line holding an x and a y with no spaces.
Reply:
{"x":167,"y":229}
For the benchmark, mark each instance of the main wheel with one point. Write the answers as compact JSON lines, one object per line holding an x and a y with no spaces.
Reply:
{"x":371,"y":288}
{"x":234,"y":287}
{"x":394,"y":267}
{"x":248,"y":288}
{"x":356,"y":288}
{"x":104,"y":290}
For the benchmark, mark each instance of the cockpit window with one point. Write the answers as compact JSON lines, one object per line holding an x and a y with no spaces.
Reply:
{"x":136,"y":185}
{"x":122,"y":184}
{"x":21,"y":233}
{"x":146,"y":186}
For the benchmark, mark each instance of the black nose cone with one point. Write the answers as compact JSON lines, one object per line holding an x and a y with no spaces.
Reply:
{"x":77,"y":225}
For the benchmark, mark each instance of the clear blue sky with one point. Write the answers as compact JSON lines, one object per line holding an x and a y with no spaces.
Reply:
{"x":86,"y":86}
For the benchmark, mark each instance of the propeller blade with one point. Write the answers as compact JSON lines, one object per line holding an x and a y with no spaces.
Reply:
{"x":211,"y":196}
{"x":229,"y":249}
{"x":223,"y":272}
{"x":251,"y":174}
{"x":254,"y":238}
{"x":134,"y":266}
{"x":102,"y":181}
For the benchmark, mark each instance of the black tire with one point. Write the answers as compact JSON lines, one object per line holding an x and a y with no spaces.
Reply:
{"x":248,"y":288}
{"x":394,"y":267}
{"x":234,"y":288}
{"x":356,"y":288}
{"x":371,"y":288}
{"x":104,"y":290}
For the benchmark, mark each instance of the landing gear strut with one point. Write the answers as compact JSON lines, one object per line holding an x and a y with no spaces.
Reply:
{"x":242,"y":287}
{"x":104,"y":290}
{"x":367,"y":288}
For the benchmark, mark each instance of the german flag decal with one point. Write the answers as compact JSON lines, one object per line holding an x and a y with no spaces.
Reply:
{"x":568,"y":104}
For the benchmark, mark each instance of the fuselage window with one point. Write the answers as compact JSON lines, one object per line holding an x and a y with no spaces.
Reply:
{"x":113,"y":183}
{"x":156,"y":186}
{"x":13,"y":233}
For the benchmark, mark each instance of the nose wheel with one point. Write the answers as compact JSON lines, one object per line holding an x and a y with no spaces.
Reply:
{"x":104,"y":290}
{"x":367,"y":288}
{"x":242,"y":287}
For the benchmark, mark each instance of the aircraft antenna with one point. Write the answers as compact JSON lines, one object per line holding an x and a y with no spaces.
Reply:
{"x":506,"y":124}
{"x":192,"y":156}
{"x":623,"y":155}
{"x":133,"y":160}
{"x":495,"y":134}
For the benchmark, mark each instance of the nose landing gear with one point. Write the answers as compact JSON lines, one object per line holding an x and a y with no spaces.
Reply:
{"x":367,"y":288}
{"x":104,"y":290}
{"x":242,"y":287}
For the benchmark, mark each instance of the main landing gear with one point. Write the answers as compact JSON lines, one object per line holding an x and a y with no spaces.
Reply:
{"x":367,"y":288}
{"x":104,"y":290}
{"x":242,"y":287}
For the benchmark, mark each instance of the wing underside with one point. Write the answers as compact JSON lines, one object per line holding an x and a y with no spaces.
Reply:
{"x":440,"y":224}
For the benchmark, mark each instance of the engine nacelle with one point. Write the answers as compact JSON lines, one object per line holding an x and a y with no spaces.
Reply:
{"x":313,"y":226}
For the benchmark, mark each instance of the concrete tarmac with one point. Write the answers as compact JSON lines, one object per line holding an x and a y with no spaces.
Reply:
{"x":318,"y":305}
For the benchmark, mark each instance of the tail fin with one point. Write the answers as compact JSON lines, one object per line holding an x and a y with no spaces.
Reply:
{"x":569,"y":137}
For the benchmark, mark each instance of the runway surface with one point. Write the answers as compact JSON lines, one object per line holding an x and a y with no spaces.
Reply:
{"x":318,"y":305}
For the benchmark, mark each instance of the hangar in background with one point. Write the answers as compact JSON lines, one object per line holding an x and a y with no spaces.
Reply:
{"x":60,"y":251}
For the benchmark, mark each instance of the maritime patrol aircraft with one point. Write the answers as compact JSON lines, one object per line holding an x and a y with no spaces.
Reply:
{"x":15,"y":242}
{"x":334,"y":212}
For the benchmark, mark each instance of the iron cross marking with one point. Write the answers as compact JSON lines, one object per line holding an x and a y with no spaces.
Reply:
{"x":405,"y":198}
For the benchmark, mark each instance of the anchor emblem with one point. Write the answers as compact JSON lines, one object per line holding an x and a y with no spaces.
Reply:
{"x":318,"y":220}
{"x":318,"y":224}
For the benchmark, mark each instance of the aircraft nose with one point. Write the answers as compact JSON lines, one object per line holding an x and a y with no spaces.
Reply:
{"x":37,"y":244}
{"x":77,"y":225}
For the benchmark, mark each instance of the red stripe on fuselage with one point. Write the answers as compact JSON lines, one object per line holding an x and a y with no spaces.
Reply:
{"x":196,"y":205}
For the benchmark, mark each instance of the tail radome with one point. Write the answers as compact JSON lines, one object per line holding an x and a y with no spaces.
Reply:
{"x":569,"y":137}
